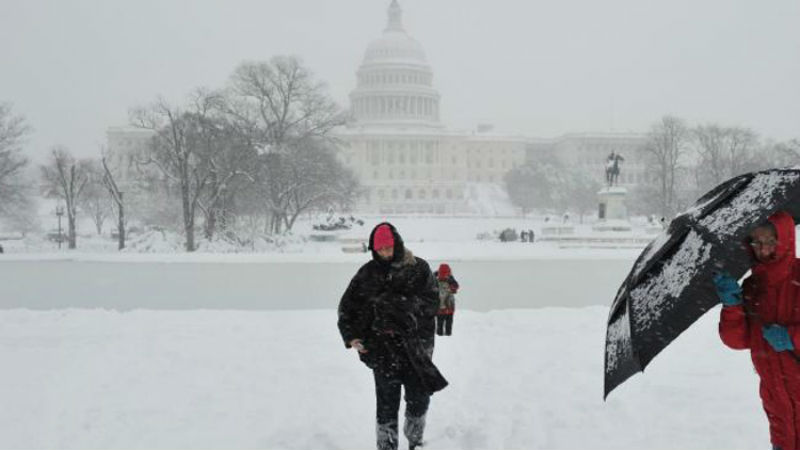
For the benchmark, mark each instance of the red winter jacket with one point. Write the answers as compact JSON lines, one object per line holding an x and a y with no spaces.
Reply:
{"x":772,"y":296}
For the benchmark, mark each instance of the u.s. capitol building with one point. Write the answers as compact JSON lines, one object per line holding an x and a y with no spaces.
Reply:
{"x":408,"y":161}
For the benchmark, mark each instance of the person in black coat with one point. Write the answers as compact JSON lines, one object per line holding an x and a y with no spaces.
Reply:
{"x":388,"y":315}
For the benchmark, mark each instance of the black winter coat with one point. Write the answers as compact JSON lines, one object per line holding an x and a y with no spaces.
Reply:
{"x":391,"y":306}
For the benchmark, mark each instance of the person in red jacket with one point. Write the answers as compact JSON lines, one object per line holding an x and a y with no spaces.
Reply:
{"x":764,"y":316}
{"x":448,"y":286}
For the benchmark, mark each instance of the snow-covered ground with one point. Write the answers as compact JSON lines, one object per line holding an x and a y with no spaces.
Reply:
{"x":455,"y":237}
{"x":520,"y":379}
{"x":102,"y":349}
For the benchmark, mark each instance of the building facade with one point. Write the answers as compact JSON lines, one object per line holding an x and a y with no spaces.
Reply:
{"x":126,"y":148}
{"x":406,"y":159}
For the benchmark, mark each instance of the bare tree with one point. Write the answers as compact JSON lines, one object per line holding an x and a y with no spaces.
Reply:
{"x":66,"y":178}
{"x":742,"y":144}
{"x":782,"y":154}
{"x":195,"y":149}
{"x":710,"y":140}
{"x":116,"y":195}
{"x":280,"y":104}
{"x":228,"y":156}
{"x":724,"y":152}
{"x":281,"y":101}
{"x":94,"y":202}
{"x":664,"y":151}
{"x":174,"y":152}
{"x":316,"y":180}
{"x":14,"y":191}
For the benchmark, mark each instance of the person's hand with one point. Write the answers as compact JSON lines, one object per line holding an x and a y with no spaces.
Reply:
{"x":358,"y":344}
{"x":778,"y":337}
{"x":728,"y":289}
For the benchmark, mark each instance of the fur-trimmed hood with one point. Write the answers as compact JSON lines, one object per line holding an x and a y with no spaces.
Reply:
{"x":402,"y":256}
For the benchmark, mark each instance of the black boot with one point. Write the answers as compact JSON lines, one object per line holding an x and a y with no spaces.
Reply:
{"x":413,"y":428}
{"x":387,"y":435}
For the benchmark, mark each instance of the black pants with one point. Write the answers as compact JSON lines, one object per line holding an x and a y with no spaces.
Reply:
{"x":387,"y":393}
{"x":444,"y":324}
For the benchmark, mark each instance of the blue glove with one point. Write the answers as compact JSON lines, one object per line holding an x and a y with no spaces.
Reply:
{"x":778,"y":337}
{"x":728,"y":289}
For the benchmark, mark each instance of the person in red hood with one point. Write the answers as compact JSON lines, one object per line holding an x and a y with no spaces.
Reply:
{"x":387,"y":315}
{"x":447,"y":301}
{"x":764,"y":317}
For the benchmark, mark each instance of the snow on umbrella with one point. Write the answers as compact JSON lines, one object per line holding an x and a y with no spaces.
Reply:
{"x":669,"y":286}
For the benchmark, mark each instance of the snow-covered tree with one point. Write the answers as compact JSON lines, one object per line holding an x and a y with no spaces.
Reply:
{"x":66,"y":178}
{"x":200,"y":151}
{"x":723,"y":152}
{"x":665,"y":151}
{"x":95,"y":202}
{"x":15,"y":193}
{"x":286,"y":112}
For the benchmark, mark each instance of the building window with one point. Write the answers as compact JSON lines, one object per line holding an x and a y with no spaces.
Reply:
{"x":381,"y":194}
{"x":435,"y":193}
{"x":449,"y":194}
{"x":409,"y":194}
{"x":421,"y":194}
{"x":394,"y":194}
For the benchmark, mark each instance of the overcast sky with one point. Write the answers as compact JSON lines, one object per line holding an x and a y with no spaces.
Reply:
{"x":536,"y":67}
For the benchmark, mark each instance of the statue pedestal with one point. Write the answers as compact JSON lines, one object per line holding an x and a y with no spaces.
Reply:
{"x":612,"y":214}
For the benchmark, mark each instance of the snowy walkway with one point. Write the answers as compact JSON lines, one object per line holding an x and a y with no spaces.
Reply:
{"x":520,"y":379}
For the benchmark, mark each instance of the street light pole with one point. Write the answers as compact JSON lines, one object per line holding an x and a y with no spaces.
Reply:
{"x":59,"y":213}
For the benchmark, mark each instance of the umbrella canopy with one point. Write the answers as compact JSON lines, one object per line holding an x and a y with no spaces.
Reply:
{"x":669,"y":286}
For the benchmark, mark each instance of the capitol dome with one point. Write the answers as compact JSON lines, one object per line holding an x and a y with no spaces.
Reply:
{"x":393,"y":46}
{"x":395,"y":81}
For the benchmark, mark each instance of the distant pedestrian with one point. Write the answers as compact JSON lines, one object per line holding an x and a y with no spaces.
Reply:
{"x":448,"y":286}
{"x":530,"y":236}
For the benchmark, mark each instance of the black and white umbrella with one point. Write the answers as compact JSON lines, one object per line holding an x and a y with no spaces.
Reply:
{"x":670,"y":287}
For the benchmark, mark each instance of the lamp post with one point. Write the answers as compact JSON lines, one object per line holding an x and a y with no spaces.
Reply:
{"x":59,"y":213}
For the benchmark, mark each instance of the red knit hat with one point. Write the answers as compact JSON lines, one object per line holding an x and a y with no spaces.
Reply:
{"x":383,"y":237}
{"x":444,"y":271}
